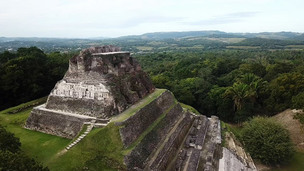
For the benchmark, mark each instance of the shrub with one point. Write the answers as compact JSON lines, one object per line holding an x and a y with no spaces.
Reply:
{"x":267,"y":141}
{"x":8,"y":141}
{"x":19,"y":161}
{"x":298,"y":101}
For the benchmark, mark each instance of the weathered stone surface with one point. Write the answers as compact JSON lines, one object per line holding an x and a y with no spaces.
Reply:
{"x":170,"y":149}
{"x":52,"y":122}
{"x":201,"y":150}
{"x":231,"y":162}
{"x":139,"y":155}
{"x":100,"y":82}
{"x":138,"y":123}
{"x":234,"y":156}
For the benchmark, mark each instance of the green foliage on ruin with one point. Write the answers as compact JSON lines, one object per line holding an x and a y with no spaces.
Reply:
{"x":134,"y":108}
{"x":154,"y":126}
{"x":267,"y":141}
{"x":189,"y":108}
{"x":99,"y":150}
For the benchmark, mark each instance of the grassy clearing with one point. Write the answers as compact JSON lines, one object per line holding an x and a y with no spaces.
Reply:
{"x":133,"y":109}
{"x":243,"y":47}
{"x":35,"y":144}
{"x":295,"y":46}
{"x":144,"y":48}
{"x":296,"y":163}
{"x":99,"y":150}
{"x":227,"y":40}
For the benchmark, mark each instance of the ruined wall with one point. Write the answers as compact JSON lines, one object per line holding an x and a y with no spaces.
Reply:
{"x":139,"y":156}
{"x":138,"y":123}
{"x":56,"y":124}
{"x":101,"y":82}
{"x":170,"y":149}
{"x":107,"y":81}
{"x":87,"y":107}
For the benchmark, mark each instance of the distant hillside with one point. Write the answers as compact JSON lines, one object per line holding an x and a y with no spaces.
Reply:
{"x":163,"y":41}
{"x":173,"y":35}
{"x":299,"y":37}
{"x":263,"y":42}
{"x":215,"y":34}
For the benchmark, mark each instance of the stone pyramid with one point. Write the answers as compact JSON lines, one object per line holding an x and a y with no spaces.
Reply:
{"x":101,"y":82}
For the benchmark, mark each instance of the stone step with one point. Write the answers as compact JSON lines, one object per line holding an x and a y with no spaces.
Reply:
{"x":89,"y":128}
{"x":171,"y":144}
{"x":189,"y":156}
{"x":99,"y":125}
{"x":102,"y":120}
{"x":211,"y":148}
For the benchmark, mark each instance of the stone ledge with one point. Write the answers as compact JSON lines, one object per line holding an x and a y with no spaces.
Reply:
{"x":61,"y":124}
{"x":139,"y":122}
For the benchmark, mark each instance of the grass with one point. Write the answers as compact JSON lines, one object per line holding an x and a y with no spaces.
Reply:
{"x":295,"y":46}
{"x":189,"y":108}
{"x":226,"y":127}
{"x":83,"y":129}
{"x":99,"y":150}
{"x":243,"y":47}
{"x":144,"y":48}
{"x":296,"y":163}
{"x":32,"y":141}
{"x":227,"y":40}
{"x":133,"y":109}
{"x":149,"y":129}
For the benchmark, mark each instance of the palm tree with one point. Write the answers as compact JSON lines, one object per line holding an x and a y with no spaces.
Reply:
{"x":239,"y":93}
{"x":254,"y":82}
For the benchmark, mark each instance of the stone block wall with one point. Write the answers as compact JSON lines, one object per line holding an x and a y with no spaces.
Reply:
{"x":89,"y":107}
{"x":55,"y":123}
{"x":140,"y":154}
{"x":170,"y":149}
{"x":134,"y":126}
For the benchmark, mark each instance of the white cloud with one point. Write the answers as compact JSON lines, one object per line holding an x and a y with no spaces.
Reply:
{"x":79,"y":18}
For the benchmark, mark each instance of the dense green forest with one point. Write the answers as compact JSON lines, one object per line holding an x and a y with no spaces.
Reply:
{"x":29,"y":74}
{"x":232,"y":84}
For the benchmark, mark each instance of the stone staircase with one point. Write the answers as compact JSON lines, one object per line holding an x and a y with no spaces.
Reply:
{"x":91,"y":125}
{"x":201,"y":149}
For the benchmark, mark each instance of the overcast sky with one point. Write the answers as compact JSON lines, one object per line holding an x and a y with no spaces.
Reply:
{"x":113,"y":18}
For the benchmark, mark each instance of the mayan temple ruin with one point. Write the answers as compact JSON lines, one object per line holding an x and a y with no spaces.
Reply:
{"x":101,"y":82}
{"x":104,"y":85}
